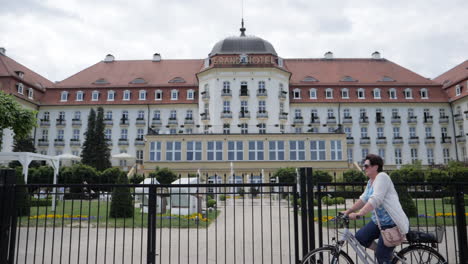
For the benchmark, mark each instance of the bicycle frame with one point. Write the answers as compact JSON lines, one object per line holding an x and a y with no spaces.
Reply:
{"x":347,"y":236}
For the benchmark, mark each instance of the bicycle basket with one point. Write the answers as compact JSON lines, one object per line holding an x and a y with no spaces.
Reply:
{"x":420,"y":235}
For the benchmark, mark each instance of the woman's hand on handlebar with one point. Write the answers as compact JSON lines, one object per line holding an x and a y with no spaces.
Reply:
{"x":354,"y":216}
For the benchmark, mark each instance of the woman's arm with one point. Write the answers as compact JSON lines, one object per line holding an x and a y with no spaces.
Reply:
{"x":356,"y":206}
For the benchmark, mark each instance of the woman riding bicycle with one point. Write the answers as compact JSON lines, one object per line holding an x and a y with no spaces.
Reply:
{"x":381,"y":197}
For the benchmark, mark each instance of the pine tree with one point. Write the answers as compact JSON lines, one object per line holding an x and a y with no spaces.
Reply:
{"x":89,"y":154}
{"x":24,"y":145}
{"x":122,"y":202}
{"x":102,"y":160}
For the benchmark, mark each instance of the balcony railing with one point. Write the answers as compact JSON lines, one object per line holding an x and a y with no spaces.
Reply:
{"x":350,"y":140}
{"x":298,"y":120}
{"x":262,"y":93}
{"x":443,"y":120}
{"x":397,"y":141}
{"x":413,"y":140}
{"x":412,"y":119}
{"x":60,"y":122}
{"x":262,"y":114}
{"x":108,"y":122}
{"x":139,"y":142}
{"x":205,"y":96}
{"x":428,"y":120}
{"x":109,"y":142}
{"x":347,"y":120}
{"x":380,"y":120}
{"x":331,"y":120}
{"x":315,"y":120}
{"x":140,"y":122}
{"x":43,"y":142}
{"x":75,"y":142}
{"x":172,"y":121}
{"x":429,"y":140}
{"x":124,"y":122}
{"x":364,"y":141}
{"x":381,"y":141}
{"x":244,"y":93}
{"x":244,"y":114}
{"x":460,"y":139}
{"x":189,"y":121}
{"x":282,"y":95}
{"x":364,"y":120}
{"x":396,"y":120}
{"x":59,"y":142}
{"x":76,"y":122}
{"x":283,"y":116}
{"x":123,"y":142}
{"x":446,"y":140}
{"x":156,"y":122}
{"x":226,"y":114}
{"x":44,"y":122}
{"x":205,"y":116}
{"x":458,"y":118}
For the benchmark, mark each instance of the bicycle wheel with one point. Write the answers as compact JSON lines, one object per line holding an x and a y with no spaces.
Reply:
{"x":327,"y":255}
{"x":417,"y":254}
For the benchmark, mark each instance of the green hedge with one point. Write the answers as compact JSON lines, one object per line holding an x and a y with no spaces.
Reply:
{"x":211,"y":203}
{"x":41,"y":202}
{"x":450,"y":200}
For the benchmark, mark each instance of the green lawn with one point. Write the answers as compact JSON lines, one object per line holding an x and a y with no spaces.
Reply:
{"x":95,"y":213}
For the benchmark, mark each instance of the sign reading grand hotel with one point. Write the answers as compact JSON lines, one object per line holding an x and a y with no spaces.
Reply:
{"x":244,"y":59}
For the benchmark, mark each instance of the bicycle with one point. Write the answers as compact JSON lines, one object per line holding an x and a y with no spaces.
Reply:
{"x":417,"y":252}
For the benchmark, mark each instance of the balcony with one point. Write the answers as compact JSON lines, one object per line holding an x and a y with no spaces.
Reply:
{"x":282,"y":95}
{"x":413,"y":140}
{"x":75,"y":142}
{"x":364,"y":141}
{"x":124,"y":122}
{"x":331,"y":120}
{"x":172,"y":121}
{"x":412,"y":119}
{"x":298,"y":120}
{"x":189,"y":121}
{"x":76,"y":122}
{"x":123,"y":142}
{"x":396,"y":120}
{"x":244,"y":93}
{"x":446,"y":140}
{"x":466,"y":114}
{"x":108,"y":122}
{"x":347,"y":120}
{"x":43,"y":142}
{"x":443,"y":120}
{"x":315,"y":121}
{"x":428,"y":120}
{"x":226,"y":115}
{"x":262,"y":93}
{"x":139,"y":142}
{"x":59,"y":142}
{"x":44,"y":122}
{"x":60,"y":122}
{"x":109,"y":142}
{"x":363,"y":120}
{"x":397,"y":141}
{"x":205,"y":116}
{"x":458,"y":118}
{"x":244,"y":115}
{"x":226,"y":93}
{"x":140,"y":122}
{"x":156,"y":122}
{"x":205,"y":96}
{"x":350,"y":140}
{"x":380,"y":120}
{"x":429,"y":140}
{"x":381,"y":141}
{"x":460,"y":139}
{"x":262,"y":114}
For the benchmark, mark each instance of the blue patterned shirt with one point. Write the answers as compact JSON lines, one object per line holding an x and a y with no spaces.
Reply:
{"x":384,"y":217}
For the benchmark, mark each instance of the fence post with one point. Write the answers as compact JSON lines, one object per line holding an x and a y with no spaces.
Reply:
{"x":151,"y":243}
{"x":7,"y":216}
{"x":461,"y":223}
{"x":310,"y":204}
{"x":304,"y":216}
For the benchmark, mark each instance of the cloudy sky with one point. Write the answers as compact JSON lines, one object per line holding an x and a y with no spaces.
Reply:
{"x":58,"y":38}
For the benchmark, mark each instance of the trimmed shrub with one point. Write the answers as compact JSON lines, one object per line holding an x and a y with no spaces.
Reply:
{"x":285,"y":175}
{"x":41,"y":202}
{"x":122,"y":202}
{"x":211,"y":203}
{"x":222,"y":197}
{"x":354,"y":176}
{"x":406,"y":200}
{"x":23,"y":199}
{"x":331,"y":201}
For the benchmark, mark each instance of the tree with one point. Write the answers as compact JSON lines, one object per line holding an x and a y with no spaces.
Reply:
{"x":406,"y":200}
{"x":102,"y":160}
{"x":321,"y":176}
{"x":163,"y":175}
{"x":122,"y":202}
{"x":89,"y":155}
{"x":15,"y":117}
{"x":285,"y":175}
{"x":78,"y":174}
{"x":23,"y":201}
{"x":354,"y":176}
{"x":24,"y":145}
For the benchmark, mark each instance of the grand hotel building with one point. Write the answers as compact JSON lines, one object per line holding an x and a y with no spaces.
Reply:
{"x":245,"y":105}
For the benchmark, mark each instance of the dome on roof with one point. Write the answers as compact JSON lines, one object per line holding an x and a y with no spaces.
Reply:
{"x":243,"y":45}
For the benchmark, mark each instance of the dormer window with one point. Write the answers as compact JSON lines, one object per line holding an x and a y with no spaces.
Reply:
{"x":408,"y":93}
{"x":309,"y":79}
{"x":20,"y":74}
{"x":126,"y":95}
{"x":313,"y":93}
{"x":387,"y":79}
{"x":190,"y":94}
{"x":329,"y":93}
{"x":361,"y":94}
{"x":30,"y":93}
{"x":95,"y":96}
{"x":424,"y":93}
{"x":138,"y":81}
{"x":158,"y":94}
{"x":345,"y":93}
{"x":142,"y":95}
{"x":297,"y":93}
{"x":243,"y":58}
{"x":392,"y":93}
{"x":101,"y":81}
{"x":79,"y":96}
{"x":458,"y":90}
{"x":64,"y":96}
{"x":177,"y":80}
{"x":348,"y":79}
{"x":174,"y":95}
{"x":20,"y":88}
{"x":376,"y":93}
{"x":110,"y":95}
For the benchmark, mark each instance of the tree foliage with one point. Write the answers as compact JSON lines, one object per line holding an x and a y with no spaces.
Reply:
{"x":78,"y":174}
{"x":15,"y":117}
{"x":406,"y":200}
{"x":122,"y":202}
{"x":354,"y":176}
{"x":321,"y":176}
{"x":88,"y":153}
{"x":285,"y":175}
{"x":163,"y":175}
{"x":96,"y":152}
{"x":25,"y":144}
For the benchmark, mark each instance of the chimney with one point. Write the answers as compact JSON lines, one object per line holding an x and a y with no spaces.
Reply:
{"x":2,"y":51}
{"x":157,"y":57}
{"x":109,"y":58}
{"x":376,"y":55}
{"x":329,"y":55}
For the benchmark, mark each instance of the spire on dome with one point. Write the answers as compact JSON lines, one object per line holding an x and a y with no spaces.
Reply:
{"x":242,"y":29}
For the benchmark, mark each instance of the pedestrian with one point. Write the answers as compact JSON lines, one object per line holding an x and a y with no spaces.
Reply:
{"x":380,"y":198}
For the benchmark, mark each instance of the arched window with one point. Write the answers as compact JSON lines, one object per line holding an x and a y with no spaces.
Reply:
{"x":64,"y":96}
{"x":424,"y":93}
{"x":408,"y":93}
{"x":361,"y":93}
{"x":110,"y":95}
{"x":79,"y":96}
{"x":345,"y":93}
{"x":313,"y":93}
{"x":392,"y":93}
{"x":297,"y":93}
{"x":158,"y":94}
{"x":126,"y":95}
{"x":95,"y":96}
{"x":376,"y":93}
{"x":329,"y":93}
{"x":142,"y":95}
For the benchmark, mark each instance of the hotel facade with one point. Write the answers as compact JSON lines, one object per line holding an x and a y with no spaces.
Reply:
{"x":246,"y":107}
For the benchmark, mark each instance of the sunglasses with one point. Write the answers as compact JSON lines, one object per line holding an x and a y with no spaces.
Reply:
{"x":366,"y":166}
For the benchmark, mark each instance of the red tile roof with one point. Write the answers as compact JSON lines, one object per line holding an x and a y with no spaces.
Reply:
{"x":454,"y":75}
{"x":8,"y":68}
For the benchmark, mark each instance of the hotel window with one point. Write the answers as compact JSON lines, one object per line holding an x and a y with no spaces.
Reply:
{"x":398,"y":159}
{"x":329,"y":93}
{"x":350,"y":155}
{"x":45,"y":135}
{"x":188,"y":131}
{"x":226,"y":87}
{"x":424,"y":93}
{"x":261,"y":87}
{"x":428,"y":131}
{"x":139,"y":155}
{"x":297,"y":93}
{"x":173,"y":115}
{"x":430,"y":156}
{"x":281,"y":128}
{"x":276,"y":150}
{"x":108,"y":115}
{"x":442,"y":112}
{"x":173,"y":150}
{"x":46,"y":116}
{"x":256,"y":149}
{"x":190,"y":95}
{"x":362,"y":113}
{"x":76,"y":134}
{"x":313,"y":93}
{"x":158,"y":94}
{"x":244,"y":128}
{"x":347,"y":131}
{"x":189,"y":115}
{"x":140,"y":133}
{"x":110,"y":95}
{"x":155,"y":151}
{"x":446,"y":153}
{"x":173,"y":131}
{"x":296,"y":150}
{"x":30,"y":93}
{"x":392,"y":93}
{"x":194,"y":150}
{"x":396,"y":132}
{"x":125,"y":115}
{"x":174,"y":95}
{"x":244,"y":107}
{"x":336,"y":151}
{"x":262,"y":128}
{"x":262,"y":106}
{"x":77,"y":115}
{"x":124,"y":134}
{"x":297,"y":113}
{"x":363,"y":132}
{"x":345,"y":93}
{"x":235,"y":150}
{"x":244,"y":89}
{"x":364,"y":153}
{"x":141,"y":115}
{"x":414,"y":155}
{"x":380,"y":132}
{"x":412,"y":132}
{"x":20,"y":87}
{"x":382,"y":153}
{"x":330,"y":113}
{"x":61,"y":116}
{"x":95,"y":96}
{"x":317,"y":150}
{"x":60,"y":134}
{"x":226,"y":129}
{"x":408,"y":93}
{"x":108,"y":133}
{"x":346,"y":113}
{"x":64,"y":96}
{"x":156,"y":115}
{"x":313,"y":115}
{"x":458,"y":90}
{"x":126,"y":95}
{"x":410,"y":112}
{"x":395,"y":113}
{"x":215,"y":150}
{"x":226,"y":106}
{"x":142,"y":95}
{"x":377,"y":93}
{"x":79,"y":96}
{"x":361,"y":94}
